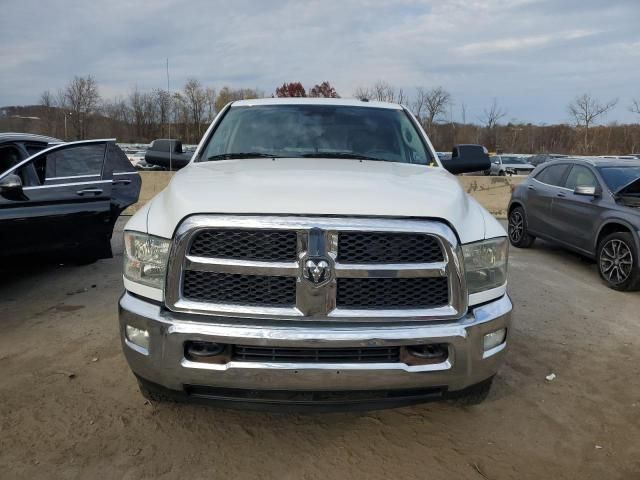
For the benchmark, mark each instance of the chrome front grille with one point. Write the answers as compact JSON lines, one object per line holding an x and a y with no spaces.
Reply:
{"x":374,"y":247}
{"x":237,"y":289}
{"x":264,"y":245}
{"x":383,"y":293}
{"x":316,"y":268}
{"x":252,"y":353}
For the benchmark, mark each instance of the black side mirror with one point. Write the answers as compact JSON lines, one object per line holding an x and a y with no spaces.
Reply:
{"x":11,"y":187}
{"x":468,"y":158}
{"x":167,"y":153}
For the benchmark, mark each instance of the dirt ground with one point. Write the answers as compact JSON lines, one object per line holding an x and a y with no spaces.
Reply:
{"x":70,"y":408}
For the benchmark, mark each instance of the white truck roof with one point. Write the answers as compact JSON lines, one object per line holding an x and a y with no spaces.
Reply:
{"x":348,"y":102}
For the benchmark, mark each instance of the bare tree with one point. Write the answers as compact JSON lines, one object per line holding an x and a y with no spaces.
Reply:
{"x":585,"y":110}
{"x":61,"y":99}
{"x":635,"y":106}
{"x":83,"y":99}
{"x":196,"y":99}
{"x":136,"y":103}
{"x":437,"y":101}
{"x":162,"y":99}
{"x":383,"y":92}
{"x":228,"y":94}
{"x":490,"y":119}
{"x":210,"y":103}
{"x":419,"y":104}
{"x":493,"y":115}
{"x":47,"y":100}
{"x":363,"y":93}
{"x":402,"y":98}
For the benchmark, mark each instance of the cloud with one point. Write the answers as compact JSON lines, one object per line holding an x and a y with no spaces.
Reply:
{"x":521,"y":42}
{"x":533,"y":55}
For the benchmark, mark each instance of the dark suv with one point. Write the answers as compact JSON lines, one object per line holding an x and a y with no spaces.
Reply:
{"x":590,"y":205}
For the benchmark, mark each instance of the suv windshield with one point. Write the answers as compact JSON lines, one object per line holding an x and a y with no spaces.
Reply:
{"x":324,"y":131}
{"x":618,"y":177}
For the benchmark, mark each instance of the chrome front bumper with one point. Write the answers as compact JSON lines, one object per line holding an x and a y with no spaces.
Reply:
{"x":165,"y":364}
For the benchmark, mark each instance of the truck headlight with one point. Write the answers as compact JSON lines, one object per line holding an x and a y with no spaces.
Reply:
{"x":145,"y":258}
{"x":485,"y":264}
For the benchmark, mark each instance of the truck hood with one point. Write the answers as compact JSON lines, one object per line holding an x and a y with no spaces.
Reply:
{"x":306,"y":186}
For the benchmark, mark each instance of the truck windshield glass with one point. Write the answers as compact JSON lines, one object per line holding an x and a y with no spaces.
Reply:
{"x":618,"y":177}
{"x":323,"y":131}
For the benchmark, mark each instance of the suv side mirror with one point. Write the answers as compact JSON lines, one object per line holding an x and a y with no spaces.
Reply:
{"x":11,"y":187}
{"x":587,"y":191}
{"x":468,"y":158}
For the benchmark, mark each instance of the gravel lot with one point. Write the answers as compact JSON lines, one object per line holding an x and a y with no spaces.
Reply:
{"x":70,"y":408}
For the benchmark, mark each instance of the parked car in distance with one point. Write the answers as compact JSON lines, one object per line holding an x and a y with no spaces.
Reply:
{"x":589,"y":205}
{"x":62,"y":197}
{"x":316,"y":254}
{"x":541,"y":158}
{"x":506,"y":164}
{"x":136,"y":157}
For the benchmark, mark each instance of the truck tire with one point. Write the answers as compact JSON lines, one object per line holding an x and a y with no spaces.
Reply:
{"x":474,"y":395}
{"x":618,"y":262}
{"x":517,"y":229}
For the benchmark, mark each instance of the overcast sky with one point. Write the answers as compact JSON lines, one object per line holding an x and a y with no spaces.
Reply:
{"x":533,"y":55}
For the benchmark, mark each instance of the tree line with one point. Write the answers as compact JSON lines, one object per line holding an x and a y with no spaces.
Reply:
{"x":78,"y":111}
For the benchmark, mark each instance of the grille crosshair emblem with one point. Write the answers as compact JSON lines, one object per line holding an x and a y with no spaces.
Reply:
{"x":317,"y":271}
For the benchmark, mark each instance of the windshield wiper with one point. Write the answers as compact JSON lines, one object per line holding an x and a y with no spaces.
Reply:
{"x":355,"y":156}
{"x":231,"y":156}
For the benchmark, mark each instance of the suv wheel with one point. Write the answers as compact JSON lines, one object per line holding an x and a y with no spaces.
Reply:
{"x":618,"y":262}
{"x":501,"y":173}
{"x":518,"y":235}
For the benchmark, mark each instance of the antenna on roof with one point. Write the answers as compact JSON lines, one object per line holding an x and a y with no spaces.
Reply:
{"x":169,"y":126}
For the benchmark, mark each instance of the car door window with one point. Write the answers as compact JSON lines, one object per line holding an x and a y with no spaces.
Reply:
{"x":76,"y":161}
{"x":9,"y":156}
{"x":580,"y":176}
{"x":553,"y":175}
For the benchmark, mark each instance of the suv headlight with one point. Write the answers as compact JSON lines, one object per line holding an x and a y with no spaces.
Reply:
{"x":485,"y":264}
{"x":145,"y":258}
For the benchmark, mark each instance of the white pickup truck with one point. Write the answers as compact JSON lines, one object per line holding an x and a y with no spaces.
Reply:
{"x":315,"y":254}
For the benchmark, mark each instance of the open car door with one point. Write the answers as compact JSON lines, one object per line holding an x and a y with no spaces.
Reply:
{"x":58,"y":199}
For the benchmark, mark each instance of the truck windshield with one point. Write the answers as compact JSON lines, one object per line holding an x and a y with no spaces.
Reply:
{"x":322,"y":131}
